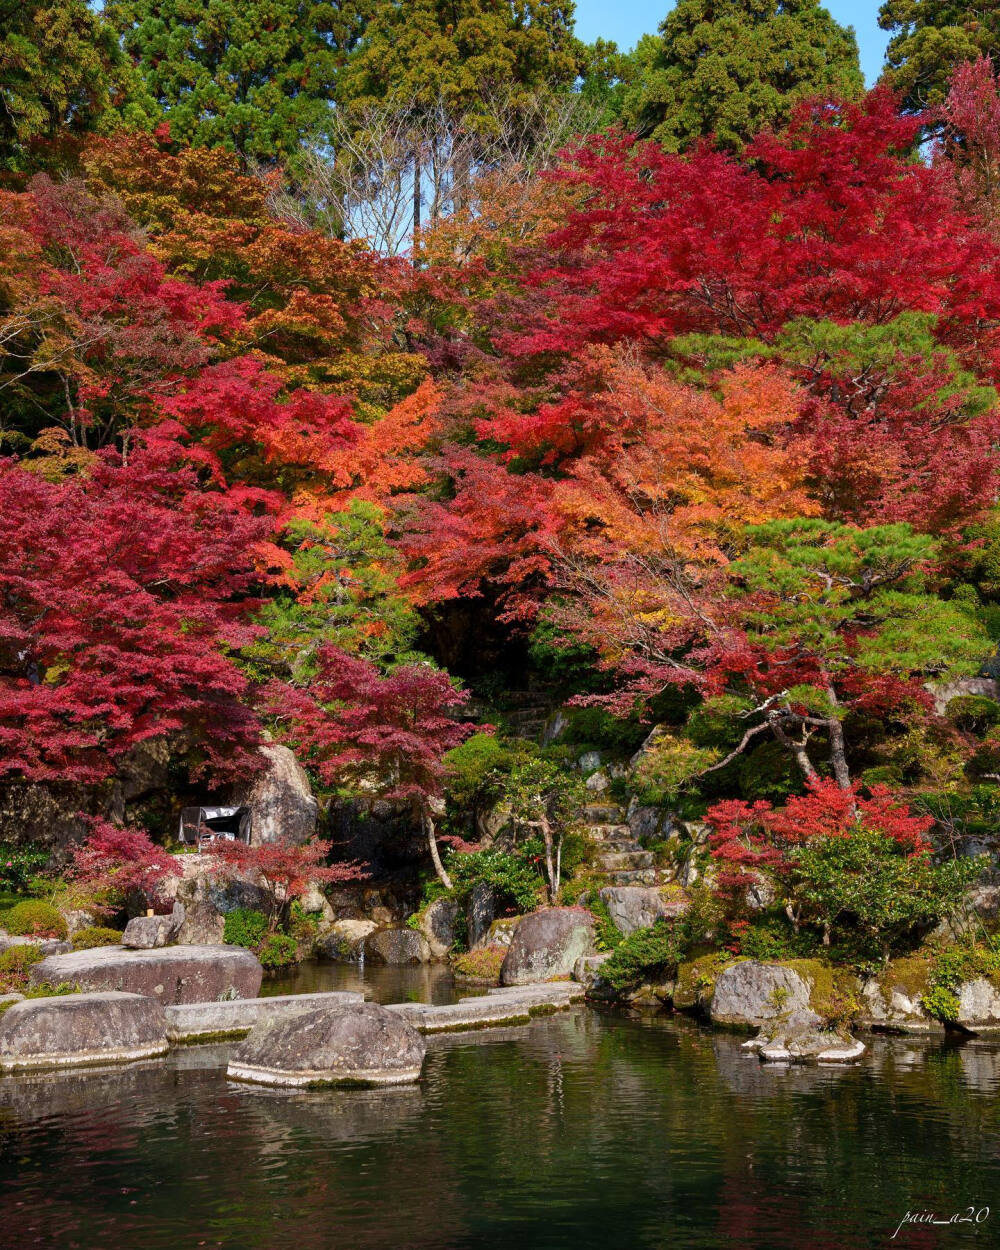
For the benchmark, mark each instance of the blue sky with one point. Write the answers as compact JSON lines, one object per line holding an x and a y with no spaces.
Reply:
{"x":625,"y":21}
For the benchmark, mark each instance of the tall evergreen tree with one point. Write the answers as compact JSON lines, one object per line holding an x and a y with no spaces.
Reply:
{"x":733,"y":67}
{"x":249,"y":75}
{"x":59,"y":72}
{"x":929,"y":39}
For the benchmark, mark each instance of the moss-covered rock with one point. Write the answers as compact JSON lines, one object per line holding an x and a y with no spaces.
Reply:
{"x":695,"y":982}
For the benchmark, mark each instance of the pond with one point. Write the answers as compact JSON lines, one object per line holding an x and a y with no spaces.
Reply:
{"x":382,"y":983}
{"x":581,"y":1130}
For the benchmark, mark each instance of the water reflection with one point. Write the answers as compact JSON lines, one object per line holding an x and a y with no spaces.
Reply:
{"x":421,"y":983}
{"x":581,"y":1130}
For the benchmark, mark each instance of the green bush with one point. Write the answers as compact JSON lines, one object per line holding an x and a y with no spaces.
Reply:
{"x":974,"y":713}
{"x":95,"y":935}
{"x":15,"y":963}
{"x":482,"y":964}
{"x":244,"y":927}
{"x":35,"y":918}
{"x":951,"y":967}
{"x":870,"y":884}
{"x":772,"y":937}
{"x":644,"y":955}
{"x":607,"y":935}
{"x":18,"y":865}
{"x":278,"y":951}
{"x":513,"y":877}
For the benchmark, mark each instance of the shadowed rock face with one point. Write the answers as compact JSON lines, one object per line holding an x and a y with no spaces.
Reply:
{"x":547,"y":944}
{"x":175,"y":974}
{"x":150,"y":932}
{"x":81,"y":1029}
{"x":352,"y":1044}
{"x":397,"y":946}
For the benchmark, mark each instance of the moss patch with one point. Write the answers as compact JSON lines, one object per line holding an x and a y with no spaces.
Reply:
{"x":909,"y":975}
{"x":834,"y":991}
{"x":696,"y":979}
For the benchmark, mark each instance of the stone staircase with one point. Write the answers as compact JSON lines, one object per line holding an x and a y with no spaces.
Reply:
{"x":620,"y":857}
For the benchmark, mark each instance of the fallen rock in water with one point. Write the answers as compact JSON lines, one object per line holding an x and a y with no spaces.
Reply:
{"x":344,"y":940}
{"x":750,"y":994}
{"x":397,"y":946}
{"x":175,"y":974}
{"x":547,"y":944}
{"x":80,"y":1029}
{"x":801,"y":1038}
{"x":351,"y":1044}
{"x":150,"y":932}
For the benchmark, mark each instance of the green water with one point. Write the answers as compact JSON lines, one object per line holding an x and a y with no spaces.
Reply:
{"x":581,"y":1130}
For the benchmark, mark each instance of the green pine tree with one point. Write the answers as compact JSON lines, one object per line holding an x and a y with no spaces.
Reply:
{"x":734,"y":67}
{"x":61,"y":72}
{"x":252,"y":76}
{"x":931,"y":37}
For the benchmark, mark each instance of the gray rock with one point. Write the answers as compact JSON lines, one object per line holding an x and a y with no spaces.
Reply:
{"x":587,"y":971}
{"x":282,"y":805}
{"x":751,"y":993}
{"x":597,"y":782}
{"x":889,"y":1006}
{"x":634,"y":907}
{"x":589,"y":761}
{"x":175,"y":974}
{"x":801,"y":1038}
{"x":351,"y":1044}
{"x":978,"y":1005}
{"x":48,"y":946}
{"x":81,"y":1029}
{"x":76,"y":919}
{"x":501,"y":932}
{"x":547,"y":944}
{"x":649,"y":822}
{"x":482,"y":913}
{"x":397,"y":946}
{"x":203,"y":1022}
{"x":437,"y":924}
{"x":944,"y":691}
{"x":344,"y":940}
{"x":148,"y":932}
{"x":203,"y":925}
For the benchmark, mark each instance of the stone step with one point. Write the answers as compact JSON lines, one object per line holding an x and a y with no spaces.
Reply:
{"x":626,"y":860}
{"x":634,"y":876}
{"x":602,"y":813}
{"x":208,"y":1022}
{"x":601,"y":833}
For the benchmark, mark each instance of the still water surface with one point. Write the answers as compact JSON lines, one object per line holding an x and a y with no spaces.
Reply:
{"x":582,"y":1130}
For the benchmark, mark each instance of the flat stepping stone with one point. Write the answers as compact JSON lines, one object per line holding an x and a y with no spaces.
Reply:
{"x":206,"y":1022}
{"x":172,"y":974}
{"x":351,"y":1044}
{"x":470,"y":1013}
{"x":78,"y":1030}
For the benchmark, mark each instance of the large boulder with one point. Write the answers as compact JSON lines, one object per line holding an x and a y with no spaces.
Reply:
{"x":481,"y":914}
{"x":547,"y":944}
{"x":634,"y":907}
{"x":81,"y":1029}
{"x":344,"y":940}
{"x":175,"y":974}
{"x":749,"y":994}
{"x":282,"y":805}
{"x":437,"y":924}
{"x":350,"y":1044}
{"x":397,"y":946}
{"x":207,"y":899}
{"x":150,"y":932}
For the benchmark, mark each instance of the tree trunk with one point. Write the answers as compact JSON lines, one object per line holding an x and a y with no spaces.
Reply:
{"x":428,"y":823}
{"x":838,"y":746}
{"x":550,"y":869}
{"x":417,"y":200}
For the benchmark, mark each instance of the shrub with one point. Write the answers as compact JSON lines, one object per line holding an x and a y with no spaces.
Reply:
{"x":643,"y":955}
{"x":607,"y":935}
{"x":278,"y":951}
{"x":15,"y":963}
{"x":18,"y":864}
{"x":869,"y":881}
{"x":482,"y":964}
{"x":950,"y":968}
{"x":113,"y":862}
{"x":974,"y":713}
{"x":35,"y":918}
{"x":95,"y":935}
{"x":244,"y":927}
{"x":514,"y":879}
